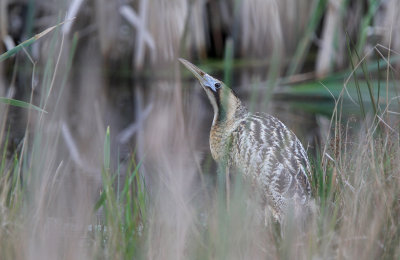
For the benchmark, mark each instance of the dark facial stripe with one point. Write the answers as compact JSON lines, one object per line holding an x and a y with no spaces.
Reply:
{"x":221,"y":109}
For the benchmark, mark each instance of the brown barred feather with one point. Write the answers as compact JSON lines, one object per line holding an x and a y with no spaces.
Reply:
{"x":268,"y":153}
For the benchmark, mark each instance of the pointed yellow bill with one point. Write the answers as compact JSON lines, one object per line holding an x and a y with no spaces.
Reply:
{"x":205,"y":80}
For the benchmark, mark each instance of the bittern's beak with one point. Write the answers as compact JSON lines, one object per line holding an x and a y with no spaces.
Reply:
{"x":205,"y":80}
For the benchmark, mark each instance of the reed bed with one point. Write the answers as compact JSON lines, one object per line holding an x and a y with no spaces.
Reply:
{"x":103,"y":139}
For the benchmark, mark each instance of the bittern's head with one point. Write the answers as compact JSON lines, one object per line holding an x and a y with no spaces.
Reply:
{"x":222,"y":98}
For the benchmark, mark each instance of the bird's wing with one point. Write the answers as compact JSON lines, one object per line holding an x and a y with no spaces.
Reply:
{"x":271,"y":153}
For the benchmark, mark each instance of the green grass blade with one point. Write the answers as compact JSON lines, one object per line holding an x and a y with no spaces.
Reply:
{"x":3,"y":158}
{"x":368,"y":80}
{"x":107,"y":150}
{"x":228,"y":62}
{"x":131,"y":178}
{"x":373,"y":6}
{"x":305,"y":42}
{"x":19,"y":103}
{"x":28,"y":42}
{"x":379,"y":84}
{"x":16,"y":49}
{"x":100,"y":202}
{"x":360,"y":99}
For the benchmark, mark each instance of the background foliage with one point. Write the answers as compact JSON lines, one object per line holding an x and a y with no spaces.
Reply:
{"x":146,"y":186}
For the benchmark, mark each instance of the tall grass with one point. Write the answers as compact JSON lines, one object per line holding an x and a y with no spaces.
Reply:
{"x":66,"y":192}
{"x":355,"y":184}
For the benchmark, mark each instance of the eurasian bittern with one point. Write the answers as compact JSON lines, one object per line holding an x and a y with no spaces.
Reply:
{"x":258,"y":145}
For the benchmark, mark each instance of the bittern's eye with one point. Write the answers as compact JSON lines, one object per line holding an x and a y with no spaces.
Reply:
{"x":217,"y":85}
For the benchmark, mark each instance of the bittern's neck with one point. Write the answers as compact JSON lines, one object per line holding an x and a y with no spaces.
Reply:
{"x":227,"y":107}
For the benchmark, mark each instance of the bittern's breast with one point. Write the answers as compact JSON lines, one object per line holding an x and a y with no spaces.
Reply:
{"x":221,"y":140}
{"x":265,"y":150}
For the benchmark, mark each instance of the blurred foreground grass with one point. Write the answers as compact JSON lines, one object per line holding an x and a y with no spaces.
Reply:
{"x":48,"y":211}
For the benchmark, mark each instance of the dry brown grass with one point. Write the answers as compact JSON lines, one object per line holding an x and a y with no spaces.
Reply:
{"x":49,"y":186}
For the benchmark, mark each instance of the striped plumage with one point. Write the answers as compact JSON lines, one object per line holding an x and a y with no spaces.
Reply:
{"x":258,"y":145}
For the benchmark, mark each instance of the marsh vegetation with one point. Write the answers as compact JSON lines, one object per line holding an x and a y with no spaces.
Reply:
{"x":104,"y":149}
